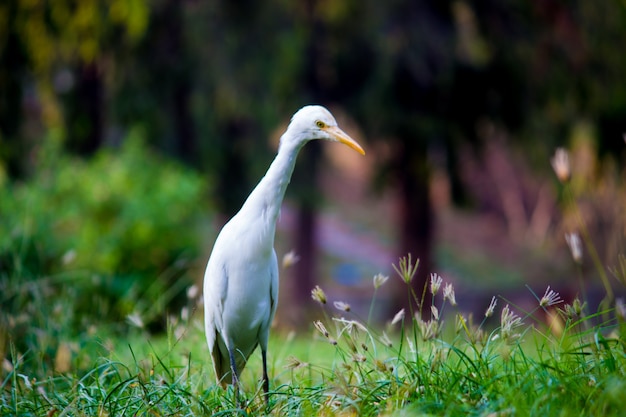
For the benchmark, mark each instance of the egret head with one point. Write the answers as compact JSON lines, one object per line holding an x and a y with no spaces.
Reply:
{"x":315,"y":122}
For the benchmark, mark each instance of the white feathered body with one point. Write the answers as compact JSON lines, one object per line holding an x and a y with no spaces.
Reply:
{"x":249,"y":273}
{"x":241,"y":279}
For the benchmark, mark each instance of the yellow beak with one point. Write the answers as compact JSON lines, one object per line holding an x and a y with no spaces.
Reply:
{"x":343,"y":137}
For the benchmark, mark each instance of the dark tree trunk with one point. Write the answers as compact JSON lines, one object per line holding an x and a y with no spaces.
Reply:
{"x":85,"y":117}
{"x":184,"y":123}
{"x":305,"y":272}
{"x":181,"y":91}
{"x":305,"y":180}
{"x":415,"y":220}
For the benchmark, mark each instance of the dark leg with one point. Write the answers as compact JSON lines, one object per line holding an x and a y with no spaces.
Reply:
{"x":235,"y":377}
{"x":266,"y":381}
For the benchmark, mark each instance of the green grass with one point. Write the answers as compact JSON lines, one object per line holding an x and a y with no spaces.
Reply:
{"x":446,"y":365}
{"x":63,"y":355}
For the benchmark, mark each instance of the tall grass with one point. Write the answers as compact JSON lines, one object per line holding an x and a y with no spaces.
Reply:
{"x":555,"y":359}
{"x":446,"y":364}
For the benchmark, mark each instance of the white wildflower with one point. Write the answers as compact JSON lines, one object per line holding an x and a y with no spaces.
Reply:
{"x":318,"y":295}
{"x":184,"y":314}
{"x":398,"y":317}
{"x":406,"y":269}
{"x":322,"y":329}
{"x":575,"y":246}
{"x":295,"y":363}
{"x":550,"y":298}
{"x":135,"y":320}
{"x":460,"y":323}
{"x":290,"y":259}
{"x":508,"y":322}
{"x":192,"y":292}
{"x":435,"y":283}
{"x":429,"y":329}
{"x":357,"y":357}
{"x":434,"y":312}
{"x":384,"y":339}
{"x":379,"y":280}
{"x":448,"y":293}
{"x":69,"y":257}
{"x":492,"y":306}
{"x":560,"y":164}
{"x":340,"y":305}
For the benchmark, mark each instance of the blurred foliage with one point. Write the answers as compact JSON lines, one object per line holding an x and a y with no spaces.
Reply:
{"x":120,"y":231}
{"x":426,"y":76}
{"x":53,"y":55}
{"x":208,"y":82}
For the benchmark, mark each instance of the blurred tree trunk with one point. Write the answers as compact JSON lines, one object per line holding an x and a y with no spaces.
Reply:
{"x":305,"y":269}
{"x":416,"y":121}
{"x":183,"y":121}
{"x":13,"y":56}
{"x":306,"y":177}
{"x":415,"y":222}
{"x":85,"y":114}
{"x":177,"y":57}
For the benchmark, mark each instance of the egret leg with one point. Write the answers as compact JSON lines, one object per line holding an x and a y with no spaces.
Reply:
{"x":235,"y":377}
{"x":266,"y":381}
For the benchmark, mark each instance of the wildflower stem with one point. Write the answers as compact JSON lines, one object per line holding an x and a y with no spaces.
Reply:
{"x":589,"y":245}
{"x":369,"y":314}
{"x":581,"y":281}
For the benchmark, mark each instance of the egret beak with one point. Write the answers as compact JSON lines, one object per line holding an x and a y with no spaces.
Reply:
{"x":341,"y":136}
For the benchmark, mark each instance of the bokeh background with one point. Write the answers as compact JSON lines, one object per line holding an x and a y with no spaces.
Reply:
{"x":131,"y":130}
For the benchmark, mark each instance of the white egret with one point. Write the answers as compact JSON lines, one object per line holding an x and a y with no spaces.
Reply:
{"x":241,"y":278}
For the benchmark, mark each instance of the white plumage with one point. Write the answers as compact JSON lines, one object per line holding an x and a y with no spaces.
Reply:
{"x":241,"y":278}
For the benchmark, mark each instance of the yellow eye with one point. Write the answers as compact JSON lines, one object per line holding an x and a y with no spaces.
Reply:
{"x":320,"y":124}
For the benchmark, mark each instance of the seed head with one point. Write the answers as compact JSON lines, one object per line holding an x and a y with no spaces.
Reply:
{"x":434,"y":312}
{"x":460,"y":323}
{"x":192,"y":292}
{"x":184,"y":313}
{"x":69,"y":257}
{"x":406,"y":269}
{"x":350,"y":326}
{"x":379,"y":280}
{"x":508,"y":322}
{"x":380,"y":365}
{"x":7,"y":366}
{"x":575,"y":246}
{"x":492,"y":306}
{"x":435,"y":283}
{"x":429,"y":329}
{"x":550,"y":298}
{"x":340,"y":305}
{"x":319,"y":326}
{"x":560,"y":164}
{"x":295,"y":363}
{"x":318,"y":295}
{"x":357,"y":357}
{"x":398,"y":317}
{"x":384,"y":339}
{"x":290,"y":259}
{"x":574,"y":310}
{"x":135,"y":320}
{"x":448,"y":293}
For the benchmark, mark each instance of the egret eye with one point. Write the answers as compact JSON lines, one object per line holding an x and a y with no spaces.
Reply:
{"x":320,"y":124}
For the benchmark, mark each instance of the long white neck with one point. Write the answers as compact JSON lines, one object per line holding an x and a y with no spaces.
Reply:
{"x":267,"y":197}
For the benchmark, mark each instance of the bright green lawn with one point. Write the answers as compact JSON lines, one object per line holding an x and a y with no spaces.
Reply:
{"x":459,"y":368}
